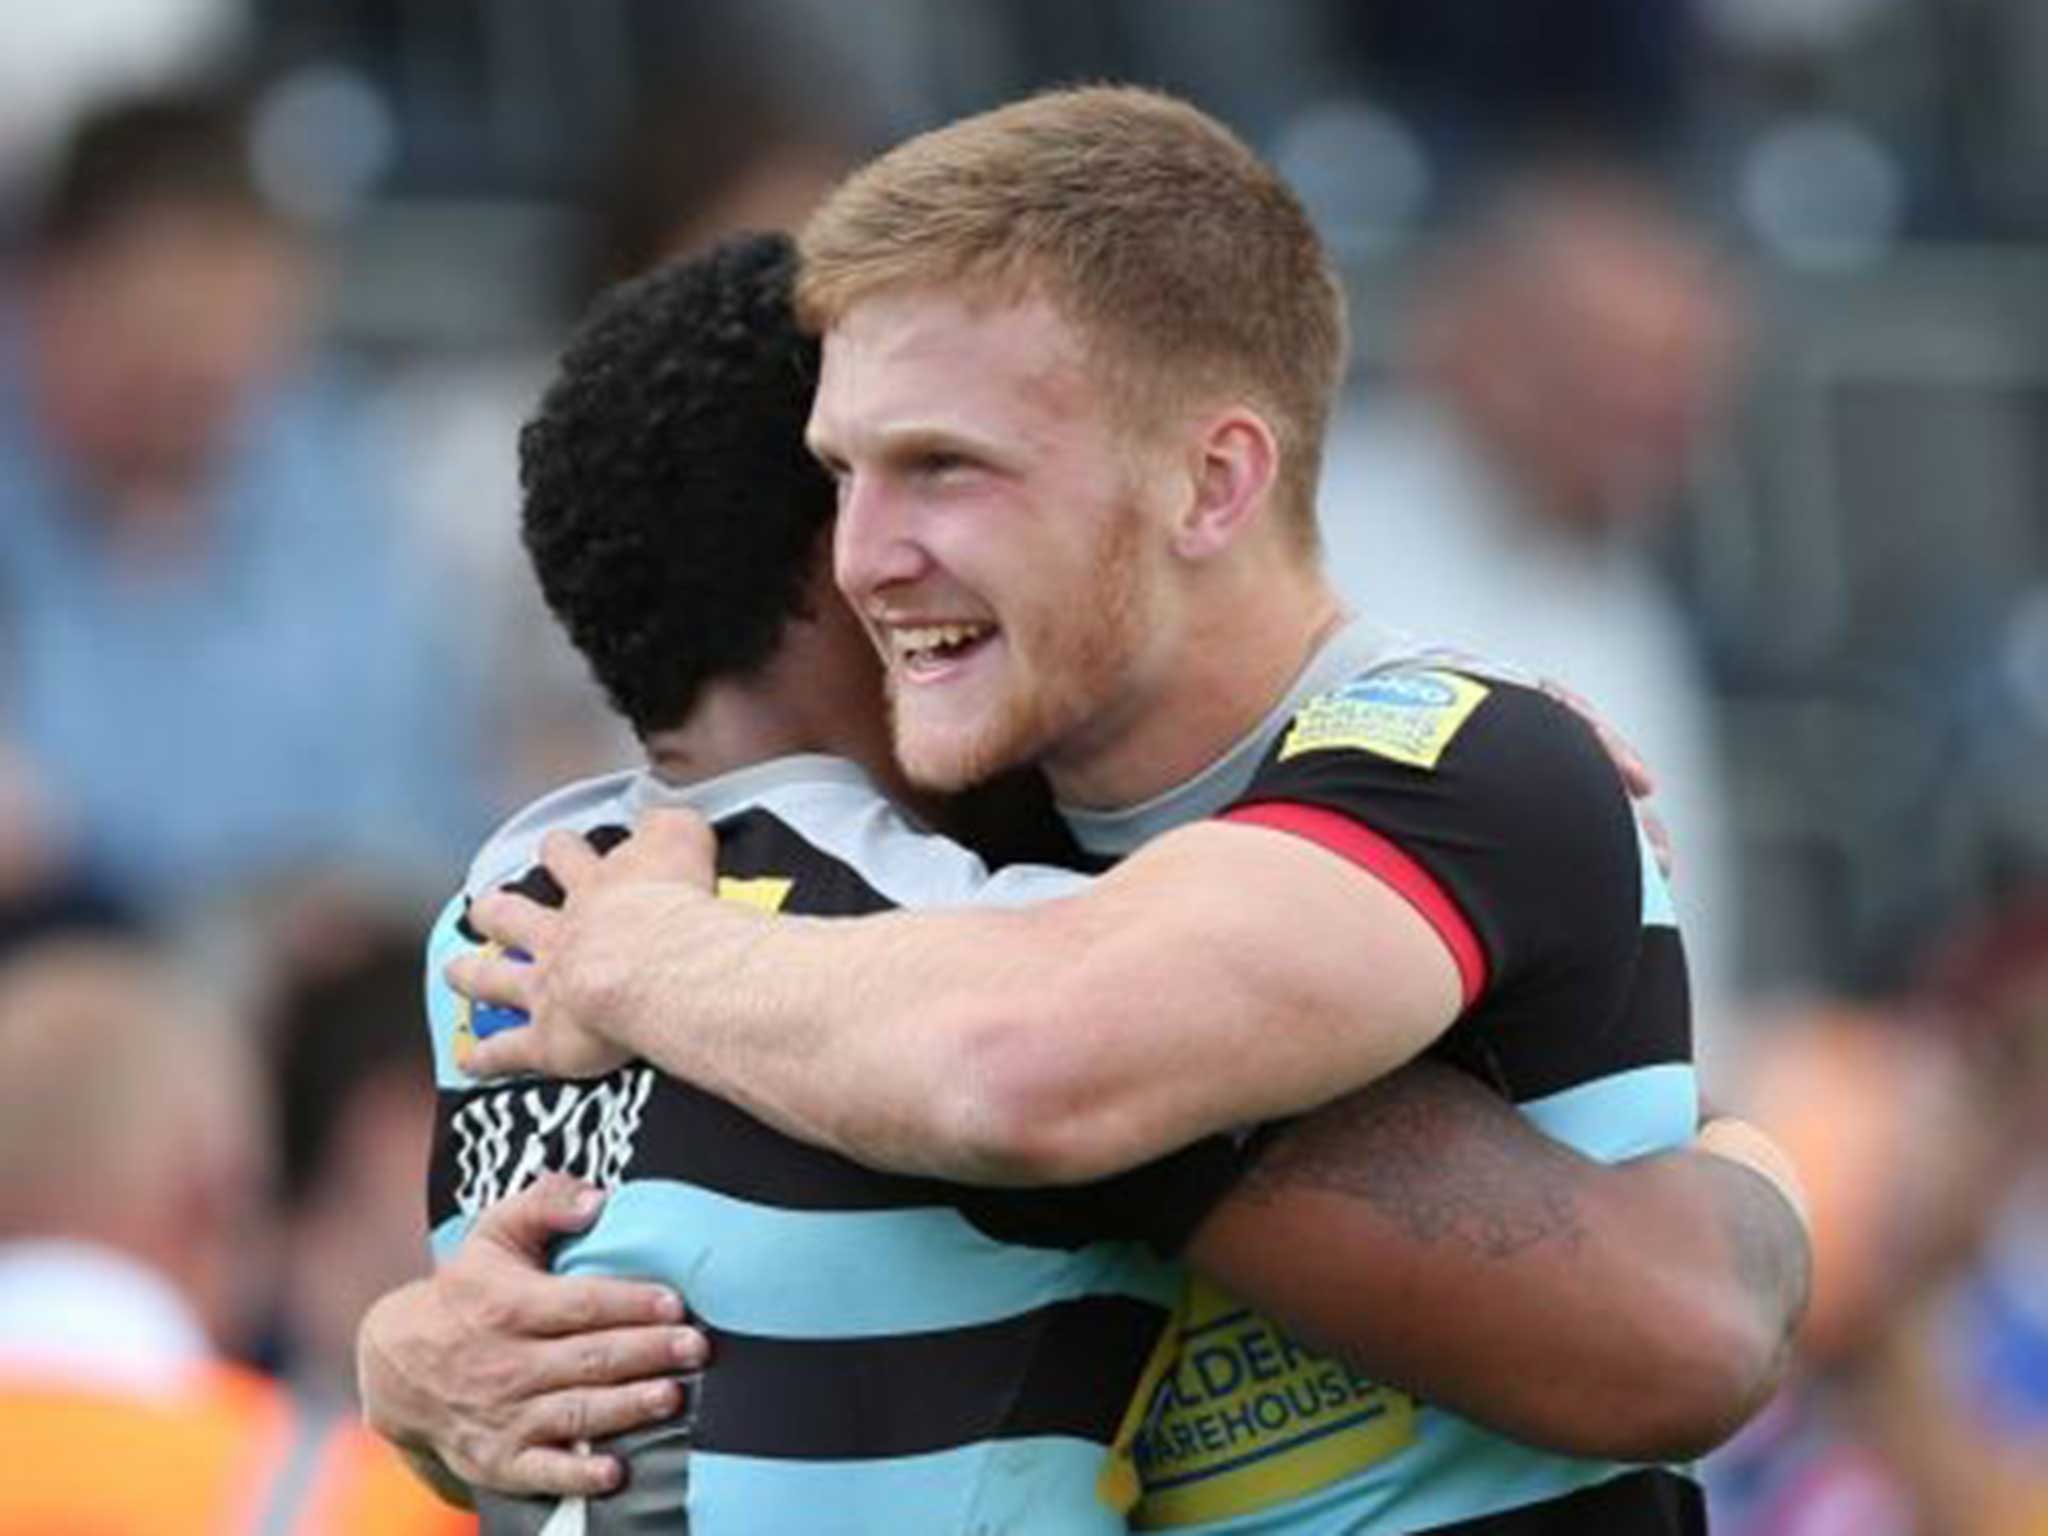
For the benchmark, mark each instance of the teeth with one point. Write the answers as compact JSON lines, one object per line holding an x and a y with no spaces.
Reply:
{"x":929,"y":637}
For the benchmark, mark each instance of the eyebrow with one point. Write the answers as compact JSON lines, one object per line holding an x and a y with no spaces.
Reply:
{"x":895,"y":444}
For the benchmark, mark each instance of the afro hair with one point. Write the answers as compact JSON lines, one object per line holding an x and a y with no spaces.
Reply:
{"x":671,"y":510}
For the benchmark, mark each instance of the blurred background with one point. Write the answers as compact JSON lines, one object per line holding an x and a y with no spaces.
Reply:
{"x":1701,"y":363}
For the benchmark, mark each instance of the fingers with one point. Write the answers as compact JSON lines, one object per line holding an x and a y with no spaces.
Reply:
{"x":485,"y":976}
{"x":614,"y":1357}
{"x":676,"y":842}
{"x":1635,"y":773}
{"x":525,"y":1224}
{"x":569,"y":858}
{"x":509,"y":1053}
{"x":669,"y":844}
{"x":596,"y":1413}
{"x":542,"y":1455}
{"x":564,"y":1305}
{"x":1661,"y":846}
{"x":550,"y":1471}
{"x":515,"y":921}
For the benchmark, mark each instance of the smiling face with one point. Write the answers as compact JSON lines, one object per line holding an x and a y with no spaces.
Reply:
{"x":1000,"y":537}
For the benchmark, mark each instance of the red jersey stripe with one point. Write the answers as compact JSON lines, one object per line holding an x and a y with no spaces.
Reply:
{"x":1355,"y":841}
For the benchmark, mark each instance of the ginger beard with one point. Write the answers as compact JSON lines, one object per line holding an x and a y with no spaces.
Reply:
{"x":1045,"y":683}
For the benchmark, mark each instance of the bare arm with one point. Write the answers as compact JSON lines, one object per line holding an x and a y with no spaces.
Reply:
{"x":1429,"y":1235}
{"x":1222,"y":975}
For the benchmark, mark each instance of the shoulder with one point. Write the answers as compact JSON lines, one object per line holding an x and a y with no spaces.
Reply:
{"x":514,"y":847}
{"x":908,"y":864}
{"x":1480,"y":731}
{"x":1500,"y":794}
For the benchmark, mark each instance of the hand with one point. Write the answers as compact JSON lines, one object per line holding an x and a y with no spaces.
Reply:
{"x":499,"y":1369}
{"x":1636,"y":776}
{"x":1635,"y":773}
{"x":585,"y":958}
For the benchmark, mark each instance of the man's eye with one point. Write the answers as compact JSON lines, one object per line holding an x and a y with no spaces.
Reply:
{"x":932,"y":465}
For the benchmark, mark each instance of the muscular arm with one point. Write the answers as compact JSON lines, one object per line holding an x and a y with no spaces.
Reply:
{"x":1222,"y":975}
{"x":1429,"y":1235}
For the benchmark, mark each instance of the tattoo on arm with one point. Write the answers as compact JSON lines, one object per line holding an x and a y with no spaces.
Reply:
{"x":1435,"y":1153}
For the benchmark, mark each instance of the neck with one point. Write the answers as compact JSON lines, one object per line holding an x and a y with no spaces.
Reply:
{"x":1240,"y":646}
{"x":731,"y":727}
{"x":742,"y":725}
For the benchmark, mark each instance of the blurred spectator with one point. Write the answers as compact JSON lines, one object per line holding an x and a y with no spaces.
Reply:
{"x":1484,"y":78}
{"x":1994,"y":980}
{"x":1565,"y":360}
{"x":131,"y":1163}
{"x":59,"y":58}
{"x":356,"y":1111}
{"x":211,"y":660}
{"x":1905,"y":1136}
{"x":731,"y":140}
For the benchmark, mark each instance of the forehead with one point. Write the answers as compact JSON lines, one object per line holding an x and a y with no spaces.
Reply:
{"x":933,"y":359}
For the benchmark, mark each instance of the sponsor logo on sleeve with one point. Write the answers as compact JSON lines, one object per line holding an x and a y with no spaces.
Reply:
{"x":1410,"y":717}
{"x":504,"y":1140}
{"x":1246,"y":1419}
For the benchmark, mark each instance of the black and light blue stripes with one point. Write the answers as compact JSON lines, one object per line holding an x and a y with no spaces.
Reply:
{"x":890,"y":1354}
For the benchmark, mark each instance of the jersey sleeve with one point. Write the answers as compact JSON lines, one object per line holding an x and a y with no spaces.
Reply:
{"x":448,"y":1023}
{"x":1488,"y":806}
{"x":1159,"y":1204}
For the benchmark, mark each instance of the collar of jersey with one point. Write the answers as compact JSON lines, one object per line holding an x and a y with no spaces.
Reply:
{"x":624,"y":794}
{"x":728,"y":792}
{"x":1359,"y":646}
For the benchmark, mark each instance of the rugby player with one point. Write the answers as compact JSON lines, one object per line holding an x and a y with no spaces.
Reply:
{"x":884,"y":1343}
{"x":1078,"y":357}
{"x":716,"y":634}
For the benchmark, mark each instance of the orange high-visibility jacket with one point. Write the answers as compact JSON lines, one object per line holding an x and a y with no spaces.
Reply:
{"x":235,"y":1454}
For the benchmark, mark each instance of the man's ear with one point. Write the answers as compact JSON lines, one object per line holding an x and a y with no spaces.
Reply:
{"x":1236,"y":462}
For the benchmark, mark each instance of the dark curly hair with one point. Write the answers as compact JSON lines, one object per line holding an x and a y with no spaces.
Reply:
{"x":670,"y":508}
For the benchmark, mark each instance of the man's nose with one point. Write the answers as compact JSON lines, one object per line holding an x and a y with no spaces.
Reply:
{"x":874,"y":542}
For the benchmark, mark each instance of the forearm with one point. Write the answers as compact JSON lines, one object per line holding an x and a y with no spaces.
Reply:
{"x":871,"y":1037}
{"x":1223,"y":976}
{"x":1055,"y":1043}
{"x":1639,"y":1312}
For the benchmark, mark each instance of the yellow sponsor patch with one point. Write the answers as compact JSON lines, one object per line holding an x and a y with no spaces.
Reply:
{"x":1246,"y":1419}
{"x":764,"y":894}
{"x":1407,"y":716}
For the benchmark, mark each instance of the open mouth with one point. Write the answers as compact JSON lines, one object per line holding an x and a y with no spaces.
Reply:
{"x":925,"y":652}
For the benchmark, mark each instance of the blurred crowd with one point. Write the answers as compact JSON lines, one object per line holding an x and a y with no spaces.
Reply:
{"x":271,"y":662}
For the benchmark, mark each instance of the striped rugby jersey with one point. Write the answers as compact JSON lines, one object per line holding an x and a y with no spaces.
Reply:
{"x":1496,"y":813}
{"x":890,"y":1354}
